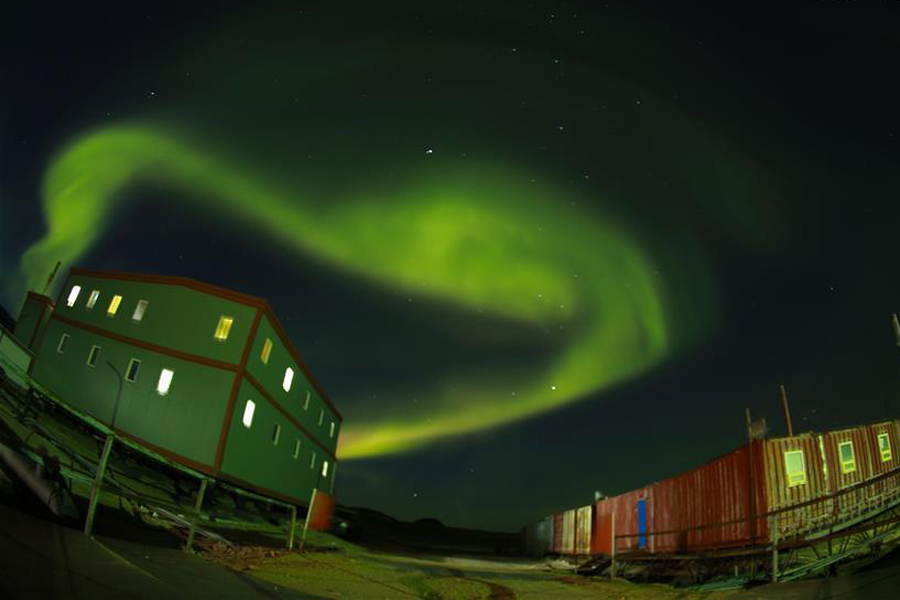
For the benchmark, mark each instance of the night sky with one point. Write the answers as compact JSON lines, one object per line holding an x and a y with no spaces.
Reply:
{"x":530,"y":252}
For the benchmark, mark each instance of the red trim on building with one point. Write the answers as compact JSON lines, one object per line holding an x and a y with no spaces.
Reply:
{"x":217,"y":364}
{"x":222,"y":293}
{"x":287,"y":415}
{"x":236,"y":386}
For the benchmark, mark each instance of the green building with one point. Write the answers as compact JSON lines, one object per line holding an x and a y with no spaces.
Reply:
{"x":202,"y":375}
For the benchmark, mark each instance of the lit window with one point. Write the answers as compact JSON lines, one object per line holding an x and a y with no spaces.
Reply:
{"x":884,"y":446}
{"x":306,"y":401}
{"x":848,"y":460}
{"x":324,"y":468}
{"x":331,"y":431}
{"x":92,"y":299}
{"x":266,"y":351}
{"x":795,"y":467}
{"x":63,"y":342}
{"x":276,"y":433}
{"x":139,"y":310}
{"x":288,"y":379}
{"x":134,"y":365}
{"x":321,"y":415}
{"x":93,"y":355}
{"x":312,"y":461}
{"x":165,"y":382}
{"x":223,"y":328}
{"x":296,"y":448}
{"x":73,"y":295}
{"x":249,"y":408}
{"x":114,"y":305}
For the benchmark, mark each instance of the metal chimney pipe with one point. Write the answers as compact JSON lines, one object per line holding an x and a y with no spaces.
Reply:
{"x":787,"y":411}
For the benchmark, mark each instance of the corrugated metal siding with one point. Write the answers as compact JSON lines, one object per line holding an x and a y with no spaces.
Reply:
{"x":888,"y":489}
{"x":624,"y":507}
{"x":568,"y":534}
{"x":558,"y":533}
{"x":583,"y":526}
{"x":695,"y":503}
{"x":780,"y":495}
{"x":601,"y":532}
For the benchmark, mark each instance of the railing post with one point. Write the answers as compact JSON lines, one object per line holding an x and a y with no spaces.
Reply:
{"x":290,"y":540}
{"x":775,"y":534}
{"x":612,"y":566}
{"x":198,"y":505}
{"x":98,"y":483}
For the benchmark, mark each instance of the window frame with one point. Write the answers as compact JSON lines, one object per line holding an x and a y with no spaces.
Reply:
{"x":96,"y":356}
{"x":72,"y":298}
{"x":135,"y":362}
{"x":325,"y":469}
{"x":288,"y":380}
{"x":165,"y":392}
{"x":847,"y":465}
{"x":223,"y":328}
{"x":331,"y":430}
{"x":312,"y":460}
{"x":114,"y":304}
{"x":276,"y":434}
{"x":792,"y":481}
{"x":139,"y":310}
{"x":92,"y":299}
{"x":249,"y":412}
{"x":266,"y":351}
{"x":296,"y":448}
{"x":63,"y":342}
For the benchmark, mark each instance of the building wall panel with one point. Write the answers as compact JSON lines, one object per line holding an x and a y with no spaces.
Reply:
{"x":583,"y":526}
{"x":568,"y":534}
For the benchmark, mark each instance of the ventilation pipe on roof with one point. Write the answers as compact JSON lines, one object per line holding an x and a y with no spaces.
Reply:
{"x":787,"y":411}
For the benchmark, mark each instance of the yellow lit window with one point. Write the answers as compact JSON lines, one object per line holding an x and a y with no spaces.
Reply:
{"x":223,"y":328}
{"x":73,"y":295}
{"x":92,"y":299}
{"x":884,"y":446}
{"x":795,"y":467}
{"x":114,"y":305}
{"x":266,"y":351}
{"x":249,"y":409}
{"x":848,"y":459}
{"x":165,"y":382}
{"x":288,"y":379}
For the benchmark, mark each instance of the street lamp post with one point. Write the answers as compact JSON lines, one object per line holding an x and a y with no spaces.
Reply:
{"x":104,"y":458}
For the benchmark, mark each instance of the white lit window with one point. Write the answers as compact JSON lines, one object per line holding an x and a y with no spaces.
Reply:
{"x":92,"y":299}
{"x":223,"y":327}
{"x":324,"y":468}
{"x":306,"y":401}
{"x":276,"y":433}
{"x":296,"y":448}
{"x":114,"y":305}
{"x":848,"y":460}
{"x":249,"y":408}
{"x":165,"y":382}
{"x":321,"y":415}
{"x":134,"y":365}
{"x":63,"y":342}
{"x":795,"y":467}
{"x":288,"y":379}
{"x":266,"y":351}
{"x":884,"y":446}
{"x":331,"y":430}
{"x":93,"y":355}
{"x":312,"y":460}
{"x":73,"y":295}
{"x":139,"y":310}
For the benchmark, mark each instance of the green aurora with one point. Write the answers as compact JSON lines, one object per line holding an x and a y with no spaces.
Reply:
{"x":455,"y":242}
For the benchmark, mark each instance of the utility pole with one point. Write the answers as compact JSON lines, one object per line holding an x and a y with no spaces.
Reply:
{"x":787,"y":410}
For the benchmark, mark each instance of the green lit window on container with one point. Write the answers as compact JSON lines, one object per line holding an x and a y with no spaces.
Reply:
{"x":848,"y":459}
{"x":92,"y":299}
{"x":795,"y":467}
{"x":249,"y":409}
{"x":884,"y":446}
{"x":73,"y":295}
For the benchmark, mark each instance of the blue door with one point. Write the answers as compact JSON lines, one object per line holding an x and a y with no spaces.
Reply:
{"x":642,"y":523}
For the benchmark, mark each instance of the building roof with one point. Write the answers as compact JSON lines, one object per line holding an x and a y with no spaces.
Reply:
{"x":221,"y":292}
